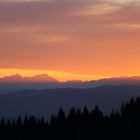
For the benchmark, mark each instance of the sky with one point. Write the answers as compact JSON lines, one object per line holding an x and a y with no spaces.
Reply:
{"x":70,"y":39}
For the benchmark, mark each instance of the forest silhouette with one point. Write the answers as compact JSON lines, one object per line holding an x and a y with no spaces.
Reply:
{"x":78,"y":124}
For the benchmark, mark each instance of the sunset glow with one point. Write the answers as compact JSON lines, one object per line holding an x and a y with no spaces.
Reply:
{"x":60,"y":76}
{"x":70,"y":39}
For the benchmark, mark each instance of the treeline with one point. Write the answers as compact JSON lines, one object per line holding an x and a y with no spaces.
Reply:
{"x":77,"y":125}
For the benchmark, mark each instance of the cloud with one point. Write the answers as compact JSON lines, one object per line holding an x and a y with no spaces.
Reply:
{"x":99,"y":9}
{"x":69,"y":18}
{"x":53,"y":38}
{"x":58,"y":11}
{"x":122,"y":2}
{"x":22,"y":0}
{"x":127,"y":26}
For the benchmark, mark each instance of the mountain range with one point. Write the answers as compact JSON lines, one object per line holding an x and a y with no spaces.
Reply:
{"x":17,"y":82}
{"x":43,"y":95}
{"x":44,"y":78}
{"x":37,"y":78}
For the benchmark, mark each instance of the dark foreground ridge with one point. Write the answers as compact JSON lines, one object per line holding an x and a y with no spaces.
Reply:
{"x":77,"y":125}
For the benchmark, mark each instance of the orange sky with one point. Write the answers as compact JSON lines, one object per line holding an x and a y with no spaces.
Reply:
{"x":70,"y":39}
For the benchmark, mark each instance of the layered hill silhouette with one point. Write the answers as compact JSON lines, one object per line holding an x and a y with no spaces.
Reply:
{"x":43,"y":95}
{"x":45,"y":102}
{"x":17,"y":82}
{"x":37,"y":78}
{"x":44,"y":78}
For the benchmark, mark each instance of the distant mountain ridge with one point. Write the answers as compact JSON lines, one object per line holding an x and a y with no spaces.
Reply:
{"x":134,"y":80}
{"x":46,"y":78}
{"x":36,"y":78}
{"x":17,"y":82}
{"x":114,"y":81}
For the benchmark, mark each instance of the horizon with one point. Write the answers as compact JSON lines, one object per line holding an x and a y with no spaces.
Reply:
{"x":44,"y":77}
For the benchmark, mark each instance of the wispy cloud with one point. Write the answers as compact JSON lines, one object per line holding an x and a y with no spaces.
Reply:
{"x":99,"y":9}
{"x":53,"y":38}
{"x":127,"y":26}
{"x":24,"y":0}
{"x":123,"y":2}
